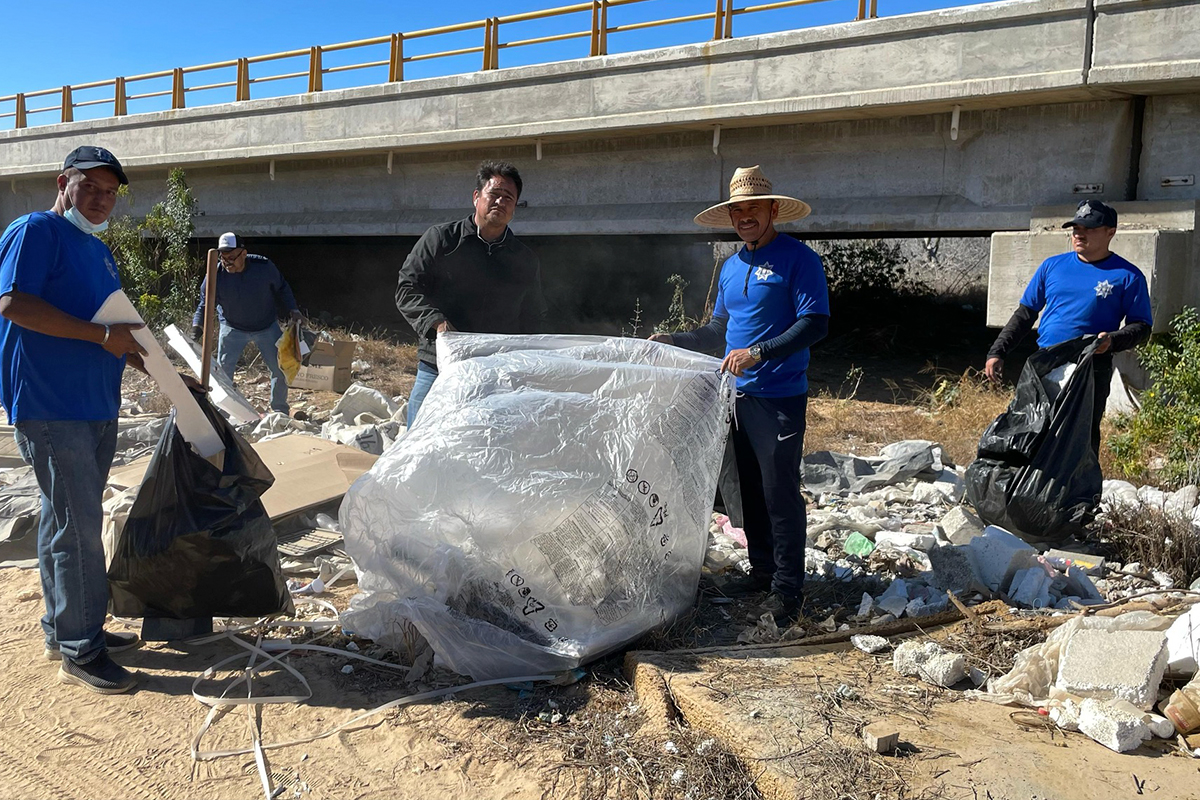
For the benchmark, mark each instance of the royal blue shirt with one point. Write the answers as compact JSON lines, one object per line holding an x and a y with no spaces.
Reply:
{"x":249,"y":300}
{"x":1076,"y":298}
{"x":785,"y":282}
{"x":46,"y":377}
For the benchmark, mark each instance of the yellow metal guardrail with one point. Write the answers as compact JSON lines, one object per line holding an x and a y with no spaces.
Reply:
{"x":722,"y":16}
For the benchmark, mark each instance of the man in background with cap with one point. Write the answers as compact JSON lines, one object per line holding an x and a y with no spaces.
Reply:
{"x":473,"y":275}
{"x":250,"y":291}
{"x":772,"y":306}
{"x":60,"y":382}
{"x":1086,"y":292}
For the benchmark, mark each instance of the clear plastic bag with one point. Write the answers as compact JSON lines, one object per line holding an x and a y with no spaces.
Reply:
{"x":552,"y":505}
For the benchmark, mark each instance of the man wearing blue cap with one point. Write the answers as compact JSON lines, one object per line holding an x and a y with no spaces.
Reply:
{"x":60,"y":382}
{"x":1087,"y":292}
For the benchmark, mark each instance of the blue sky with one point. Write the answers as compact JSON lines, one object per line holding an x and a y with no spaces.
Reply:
{"x":151,"y":35}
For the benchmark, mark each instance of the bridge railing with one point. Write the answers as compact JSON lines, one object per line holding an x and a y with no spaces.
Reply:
{"x":241,"y":74}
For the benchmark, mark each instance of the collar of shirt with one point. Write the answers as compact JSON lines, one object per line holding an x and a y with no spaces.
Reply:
{"x":470,"y":230}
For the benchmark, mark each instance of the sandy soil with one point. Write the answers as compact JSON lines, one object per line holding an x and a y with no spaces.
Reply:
{"x":64,"y":742}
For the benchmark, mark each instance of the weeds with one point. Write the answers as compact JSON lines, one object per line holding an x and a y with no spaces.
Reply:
{"x":1158,"y":540}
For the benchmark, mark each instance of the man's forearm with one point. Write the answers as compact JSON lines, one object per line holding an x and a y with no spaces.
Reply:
{"x":1019,"y":325}
{"x":1130,"y":336}
{"x":35,"y":314}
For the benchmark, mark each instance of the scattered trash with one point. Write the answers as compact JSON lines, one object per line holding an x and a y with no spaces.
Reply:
{"x":930,"y":662}
{"x":347,"y":670}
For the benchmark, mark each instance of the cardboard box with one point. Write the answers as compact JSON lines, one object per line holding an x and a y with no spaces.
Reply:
{"x":328,"y":368}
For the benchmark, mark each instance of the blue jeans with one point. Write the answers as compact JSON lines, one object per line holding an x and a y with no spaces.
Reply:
{"x":230,"y":344}
{"x":71,"y":461}
{"x":426,"y":375}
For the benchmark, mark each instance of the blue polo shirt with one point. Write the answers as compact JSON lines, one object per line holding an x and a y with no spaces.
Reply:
{"x":45,"y":377}
{"x":762,"y":293}
{"x":1076,"y":298}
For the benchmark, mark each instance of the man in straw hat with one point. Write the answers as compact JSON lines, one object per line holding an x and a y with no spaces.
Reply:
{"x":772,"y":305}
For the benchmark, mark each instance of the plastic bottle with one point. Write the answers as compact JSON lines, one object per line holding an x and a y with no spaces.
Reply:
{"x":1183,"y":707}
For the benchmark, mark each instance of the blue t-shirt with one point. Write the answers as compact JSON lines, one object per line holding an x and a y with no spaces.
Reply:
{"x":46,"y":377}
{"x":1076,"y":298}
{"x":249,"y":300}
{"x":786,"y":282}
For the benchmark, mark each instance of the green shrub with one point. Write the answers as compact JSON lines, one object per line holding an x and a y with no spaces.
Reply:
{"x":1163,"y":437}
{"x":864,"y":273}
{"x":677,"y":319}
{"x":158,"y":272}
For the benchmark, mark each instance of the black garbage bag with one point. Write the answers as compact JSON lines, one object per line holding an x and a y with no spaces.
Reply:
{"x":1036,"y":475}
{"x":198,"y":542}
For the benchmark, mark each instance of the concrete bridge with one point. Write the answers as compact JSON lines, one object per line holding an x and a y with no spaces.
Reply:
{"x":991,"y":118}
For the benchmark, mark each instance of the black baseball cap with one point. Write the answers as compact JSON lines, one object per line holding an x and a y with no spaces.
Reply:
{"x":89,"y":157}
{"x":1093,"y":214}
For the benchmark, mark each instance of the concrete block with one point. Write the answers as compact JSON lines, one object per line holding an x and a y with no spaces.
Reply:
{"x":1183,"y":643}
{"x":1117,"y":728}
{"x":998,"y":555}
{"x":881,"y":737}
{"x":1031,"y":588}
{"x":930,"y":662}
{"x":954,"y":570}
{"x":899,"y":539}
{"x":960,"y":525}
{"x":895,"y":598}
{"x":1124,"y":665}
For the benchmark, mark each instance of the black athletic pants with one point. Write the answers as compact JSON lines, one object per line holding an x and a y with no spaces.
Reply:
{"x":768,"y":439}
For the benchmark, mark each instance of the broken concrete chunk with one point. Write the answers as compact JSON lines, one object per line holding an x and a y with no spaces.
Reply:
{"x":930,"y":662}
{"x":881,"y":737}
{"x":960,"y":525}
{"x":954,"y":569}
{"x":895,"y":598}
{"x":1124,"y":665}
{"x":1030,"y":588}
{"x":868,"y":643}
{"x":998,"y":555}
{"x":1117,"y":728}
{"x":1066,"y":715}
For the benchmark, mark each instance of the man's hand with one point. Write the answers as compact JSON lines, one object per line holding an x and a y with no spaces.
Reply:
{"x":1103,"y":342}
{"x":665,"y":338}
{"x":444,"y":326}
{"x":296,"y":315}
{"x":994,"y":369}
{"x":120,"y":339}
{"x":197,"y":334}
{"x":737,"y":362}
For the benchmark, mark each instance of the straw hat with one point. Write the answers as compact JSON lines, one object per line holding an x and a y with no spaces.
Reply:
{"x":749,"y":183}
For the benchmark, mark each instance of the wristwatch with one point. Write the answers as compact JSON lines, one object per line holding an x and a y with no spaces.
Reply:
{"x":756,"y":352}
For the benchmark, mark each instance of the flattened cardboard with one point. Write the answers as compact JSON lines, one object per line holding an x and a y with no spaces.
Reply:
{"x":328,"y":368}
{"x":308,"y":471}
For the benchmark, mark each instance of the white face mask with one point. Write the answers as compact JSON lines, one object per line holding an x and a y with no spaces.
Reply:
{"x":83,"y":223}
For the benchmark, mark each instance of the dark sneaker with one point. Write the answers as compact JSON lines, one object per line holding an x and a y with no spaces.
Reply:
{"x":743,"y":585}
{"x":783,"y":608}
{"x":101,"y":675}
{"x":114,"y":642}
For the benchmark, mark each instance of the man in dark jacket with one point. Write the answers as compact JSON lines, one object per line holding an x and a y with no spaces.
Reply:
{"x":250,"y":293}
{"x":470,"y":275}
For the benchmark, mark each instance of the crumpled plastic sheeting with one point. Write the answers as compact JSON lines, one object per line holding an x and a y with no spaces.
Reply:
{"x":551,"y":504}
{"x":1031,"y":680}
{"x":826,"y":471}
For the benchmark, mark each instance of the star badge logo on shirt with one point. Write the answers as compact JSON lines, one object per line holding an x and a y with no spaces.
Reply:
{"x":112,"y":268}
{"x":1104,"y":289}
{"x":763,"y":272}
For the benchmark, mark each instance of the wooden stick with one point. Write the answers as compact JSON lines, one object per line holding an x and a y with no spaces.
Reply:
{"x":210,"y":313}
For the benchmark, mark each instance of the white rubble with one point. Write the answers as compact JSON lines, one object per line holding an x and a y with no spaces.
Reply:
{"x":930,"y":662}
{"x":1115,"y":725}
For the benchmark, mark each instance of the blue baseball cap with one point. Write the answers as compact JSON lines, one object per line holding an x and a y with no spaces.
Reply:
{"x":1093,"y":214}
{"x":89,"y":157}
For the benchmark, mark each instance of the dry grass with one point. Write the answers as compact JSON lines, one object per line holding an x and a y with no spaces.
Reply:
{"x":1158,"y":540}
{"x":954,"y":413}
{"x":608,"y":756}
